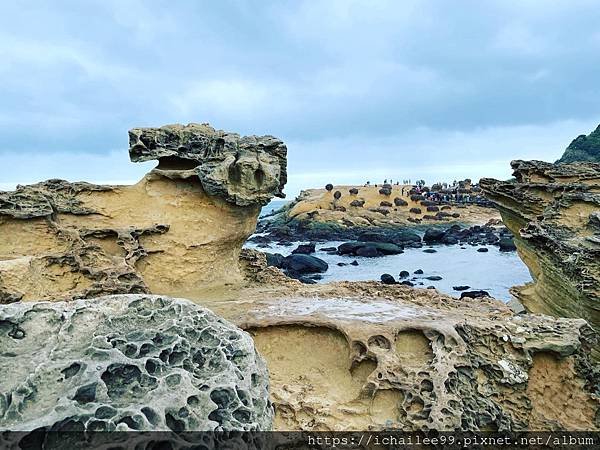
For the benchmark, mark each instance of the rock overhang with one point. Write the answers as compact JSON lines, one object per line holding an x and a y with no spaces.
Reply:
{"x":244,"y":170}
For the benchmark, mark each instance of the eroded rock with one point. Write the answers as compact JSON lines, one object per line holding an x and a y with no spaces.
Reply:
{"x":128,"y":362}
{"x":551,"y":211}
{"x":177,"y":231}
{"x":244,"y":170}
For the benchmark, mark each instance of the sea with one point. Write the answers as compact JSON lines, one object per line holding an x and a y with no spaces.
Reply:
{"x":492,"y":271}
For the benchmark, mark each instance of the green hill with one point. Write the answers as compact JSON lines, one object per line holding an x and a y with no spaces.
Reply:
{"x":583,"y":148}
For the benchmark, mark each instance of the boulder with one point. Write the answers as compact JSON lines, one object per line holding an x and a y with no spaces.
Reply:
{"x":385,"y":191}
{"x":275,"y":259}
{"x":386,"y":278}
{"x":367,"y":252}
{"x":385,"y":204}
{"x":415,"y":210}
{"x":329,"y":187}
{"x":304,"y":249}
{"x":433,"y":235}
{"x":337,"y":195}
{"x":430,"y":250}
{"x":400,"y":202}
{"x":404,"y":274}
{"x":303,"y":264}
{"x":434,"y":278}
{"x":418,"y":272}
{"x":353,"y":191}
{"x":128,"y":362}
{"x":475,"y":294}
{"x":357,"y":203}
{"x":483,"y":250}
{"x":461,"y":288}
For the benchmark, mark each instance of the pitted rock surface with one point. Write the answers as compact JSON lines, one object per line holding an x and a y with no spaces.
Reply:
{"x":244,"y":170}
{"x":128,"y":362}
{"x":553,"y":210}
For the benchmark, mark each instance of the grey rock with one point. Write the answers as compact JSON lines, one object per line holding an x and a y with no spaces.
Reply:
{"x":128,"y":362}
{"x":244,"y":170}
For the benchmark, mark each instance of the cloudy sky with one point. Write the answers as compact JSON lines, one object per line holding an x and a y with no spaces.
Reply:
{"x":357,"y":89}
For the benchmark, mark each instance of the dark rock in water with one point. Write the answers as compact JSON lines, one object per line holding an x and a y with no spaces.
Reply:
{"x":474,"y":294}
{"x":337,"y":195}
{"x":433,"y":235}
{"x":341,"y":264}
{"x":461,"y":288}
{"x":118,"y":361}
{"x":433,"y":209}
{"x":304,"y":249}
{"x":430,"y":250}
{"x":434,"y":278}
{"x":304,"y":264}
{"x":316,"y":276}
{"x":404,"y":274}
{"x":329,"y":187}
{"x":448,"y":239}
{"x":431,"y":287}
{"x":507,"y":244}
{"x":418,"y":272}
{"x":357,"y":203}
{"x":386,"y":278}
{"x":328,"y":249}
{"x":385,"y":204}
{"x":400,"y":202}
{"x":367,"y":252}
{"x":415,"y":210}
{"x":275,"y":260}
{"x":407,"y":236}
{"x":483,"y":250}
{"x":354,"y":263}
{"x":385,"y":191}
{"x":353,"y":191}
{"x":407,"y":283}
{"x":360,"y":249}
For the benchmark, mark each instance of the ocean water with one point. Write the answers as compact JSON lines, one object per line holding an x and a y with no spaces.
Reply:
{"x":493,"y":271}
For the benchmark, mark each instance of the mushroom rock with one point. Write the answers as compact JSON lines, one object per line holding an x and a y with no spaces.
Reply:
{"x":552,"y":212}
{"x":178,"y":231}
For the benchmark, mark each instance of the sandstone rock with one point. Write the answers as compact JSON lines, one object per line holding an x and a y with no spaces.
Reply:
{"x":337,"y":195}
{"x":244,"y":170}
{"x":178,"y":230}
{"x":128,"y":362}
{"x":550,"y":211}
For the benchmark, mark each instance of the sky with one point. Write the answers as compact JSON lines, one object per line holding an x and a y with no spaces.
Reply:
{"x":358,"y":90}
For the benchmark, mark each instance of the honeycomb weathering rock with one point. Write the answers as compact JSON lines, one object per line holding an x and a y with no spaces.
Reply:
{"x":365,"y":356}
{"x":554,"y":213}
{"x":178,"y":231}
{"x":128,"y":362}
{"x":244,"y":170}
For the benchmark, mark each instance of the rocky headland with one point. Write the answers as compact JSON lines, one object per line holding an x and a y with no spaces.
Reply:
{"x":583,"y":149}
{"x":553,"y":211}
{"x":340,"y":356}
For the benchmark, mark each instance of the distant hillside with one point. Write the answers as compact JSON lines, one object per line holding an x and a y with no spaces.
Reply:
{"x":583,"y":148}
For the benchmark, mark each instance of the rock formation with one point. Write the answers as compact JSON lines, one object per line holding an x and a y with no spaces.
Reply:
{"x":554,"y":212}
{"x":583,"y":148}
{"x":128,"y":362}
{"x":178,"y":231}
{"x":358,"y":356}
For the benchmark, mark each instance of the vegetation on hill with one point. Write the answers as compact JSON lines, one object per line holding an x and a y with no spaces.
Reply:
{"x":583,"y":148}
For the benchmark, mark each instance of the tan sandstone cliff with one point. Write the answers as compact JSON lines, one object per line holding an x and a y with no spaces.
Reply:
{"x":342,"y":356}
{"x":554,"y":213}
